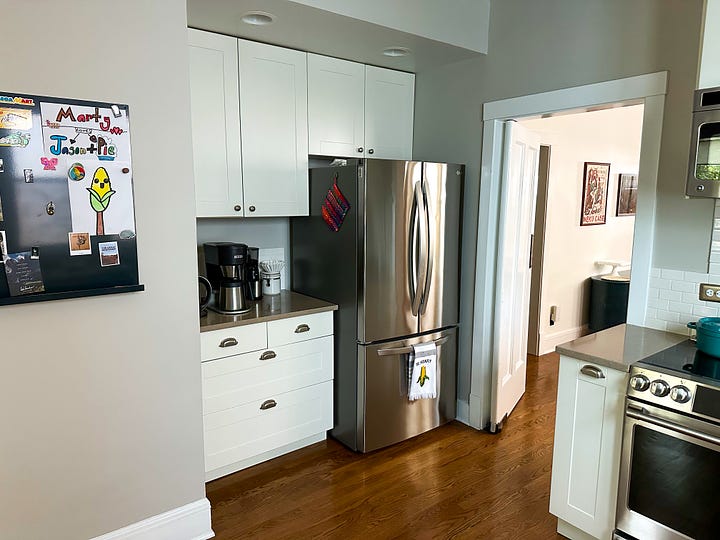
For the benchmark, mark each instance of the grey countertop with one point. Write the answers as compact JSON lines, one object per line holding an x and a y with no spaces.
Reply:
{"x":270,"y":308}
{"x":620,"y":346}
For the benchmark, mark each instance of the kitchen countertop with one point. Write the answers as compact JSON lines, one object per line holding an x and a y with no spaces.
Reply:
{"x":620,"y":346}
{"x":270,"y":308}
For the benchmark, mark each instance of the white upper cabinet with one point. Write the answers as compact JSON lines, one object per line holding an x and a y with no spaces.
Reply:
{"x":273,"y":109}
{"x":359,"y":111}
{"x":215,"y":118}
{"x":336,"y":106}
{"x":389,"y":113}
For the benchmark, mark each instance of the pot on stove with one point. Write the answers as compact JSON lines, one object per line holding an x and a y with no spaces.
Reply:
{"x":708,"y":335}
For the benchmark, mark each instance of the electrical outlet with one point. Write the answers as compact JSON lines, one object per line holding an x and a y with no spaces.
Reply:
{"x":709,"y":292}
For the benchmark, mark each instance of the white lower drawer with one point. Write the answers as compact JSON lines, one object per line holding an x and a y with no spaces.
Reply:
{"x":239,"y":433}
{"x":229,"y":382}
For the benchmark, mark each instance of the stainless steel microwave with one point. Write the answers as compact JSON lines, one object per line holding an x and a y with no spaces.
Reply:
{"x":704,"y":167}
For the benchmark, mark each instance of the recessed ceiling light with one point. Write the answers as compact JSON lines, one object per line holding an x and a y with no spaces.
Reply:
{"x":396,"y":51}
{"x":258,"y":18}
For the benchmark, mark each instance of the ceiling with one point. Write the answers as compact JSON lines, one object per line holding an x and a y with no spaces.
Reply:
{"x":306,"y":28}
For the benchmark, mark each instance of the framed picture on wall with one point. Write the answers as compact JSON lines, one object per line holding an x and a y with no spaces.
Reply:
{"x":627,"y":195}
{"x":595,"y":190}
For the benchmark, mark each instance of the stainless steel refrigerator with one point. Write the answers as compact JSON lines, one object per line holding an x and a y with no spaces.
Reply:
{"x":393,"y":269}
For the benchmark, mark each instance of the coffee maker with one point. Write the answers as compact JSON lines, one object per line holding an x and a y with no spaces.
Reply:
{"x":225,"y":264}
{"x":252,"y":275}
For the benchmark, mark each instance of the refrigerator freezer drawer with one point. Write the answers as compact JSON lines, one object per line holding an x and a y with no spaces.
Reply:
{"x":387,"y":416}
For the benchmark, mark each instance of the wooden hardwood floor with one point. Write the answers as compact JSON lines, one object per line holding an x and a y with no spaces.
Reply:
{"x":453,"y":482}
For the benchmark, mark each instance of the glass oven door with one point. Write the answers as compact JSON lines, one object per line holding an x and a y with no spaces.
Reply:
{"x":670,"y":476}
{"x":704,"y":166}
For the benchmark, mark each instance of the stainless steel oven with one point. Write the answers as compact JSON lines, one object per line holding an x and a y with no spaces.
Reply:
{"x":670,"y":466}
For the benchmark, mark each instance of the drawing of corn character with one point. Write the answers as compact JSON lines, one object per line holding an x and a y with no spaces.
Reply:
{"x":423,"y":376}
{"x":100,"y":193}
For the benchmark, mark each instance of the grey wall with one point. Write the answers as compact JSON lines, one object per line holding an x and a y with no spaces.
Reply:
{"x":100,"y":402}
{"x":541,"y":46}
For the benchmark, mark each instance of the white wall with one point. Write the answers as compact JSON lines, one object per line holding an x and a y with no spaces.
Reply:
{"x":542,"y":46}
{"x":100,"y":403}
{"x":463,"y":23}
{"x":608,"y":136}
{"x":709,"y":75}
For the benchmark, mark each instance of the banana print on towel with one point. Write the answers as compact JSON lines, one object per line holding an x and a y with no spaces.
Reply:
{"x":422,"y":369}
{"x":101,"y":198}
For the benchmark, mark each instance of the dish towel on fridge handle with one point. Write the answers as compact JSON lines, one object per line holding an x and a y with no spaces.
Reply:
{"x":423,"y":371}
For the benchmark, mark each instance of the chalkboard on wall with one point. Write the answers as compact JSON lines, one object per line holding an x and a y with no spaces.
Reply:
{"x":67,"y":220}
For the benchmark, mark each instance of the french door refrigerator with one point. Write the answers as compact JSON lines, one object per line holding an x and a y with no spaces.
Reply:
{"x":392,"y":266}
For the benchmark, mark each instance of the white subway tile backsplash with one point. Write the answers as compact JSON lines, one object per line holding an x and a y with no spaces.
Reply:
{"x":653,"y":292}
{"x":695,"y":277}
{"x":665,"y":273}
{"x":655,"y":272}
{"x":683,"y":286}
{"x":714,"y":268}
{"x":675,"y":296}
{"x":651,"y":313}
{"x":677,"y":328}
{"x":656,"y":323}
{"x":702,"y":311}
{"x":657,"y":303}
{"x":691,"y":298}
{"x":660,"y":283}
{"x":681,"y":308}
{"x":668,"y":316}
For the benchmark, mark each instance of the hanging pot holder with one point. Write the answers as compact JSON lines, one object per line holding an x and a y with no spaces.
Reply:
{"x":335,"y":207}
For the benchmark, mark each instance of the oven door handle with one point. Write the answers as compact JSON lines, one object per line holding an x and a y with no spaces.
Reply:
{"x":650,"y":419}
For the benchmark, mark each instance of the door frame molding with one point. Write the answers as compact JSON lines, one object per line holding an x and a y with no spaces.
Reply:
{"x":649,"y":89}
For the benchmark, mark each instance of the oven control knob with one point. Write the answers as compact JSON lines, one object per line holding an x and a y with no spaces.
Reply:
{"x":680,"y":394}
{"x":659,"y":388}
{"x":639,"y":383}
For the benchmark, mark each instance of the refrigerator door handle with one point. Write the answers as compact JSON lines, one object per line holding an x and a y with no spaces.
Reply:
{"x":421,"y":261}
{"x":412,"y":251}
{"x":429,"y":247}
{"x":397,"y":351}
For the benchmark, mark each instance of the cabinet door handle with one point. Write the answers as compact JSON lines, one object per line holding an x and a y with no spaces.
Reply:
{"x":268,"y":404}
{"x":252,"y":208}
{"x":237,"y":207}
{"x":302,"y":328}
{"x":371,"y":151}
{"x":592,"y":371}
{"x":360,"y":149}
{"x":229,"y":342}
{"x":268,"y":355}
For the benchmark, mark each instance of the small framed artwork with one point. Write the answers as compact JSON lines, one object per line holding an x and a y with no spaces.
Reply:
{"x":595,"y":189}
{"x":627,"y":195}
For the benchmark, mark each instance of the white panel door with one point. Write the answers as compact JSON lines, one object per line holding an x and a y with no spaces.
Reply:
{"x":336,"y":105}
{"x":512,"y":293}
{"x":215,"y":117}
{"x":273,"y":110}
{"x":389,"y":113}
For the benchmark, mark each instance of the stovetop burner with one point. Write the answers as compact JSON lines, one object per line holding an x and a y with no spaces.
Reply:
{"x":685,"y":360}
{"x":680,"y":378}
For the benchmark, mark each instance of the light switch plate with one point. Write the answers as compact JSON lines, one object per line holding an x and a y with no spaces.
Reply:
{"x":709,"y":292}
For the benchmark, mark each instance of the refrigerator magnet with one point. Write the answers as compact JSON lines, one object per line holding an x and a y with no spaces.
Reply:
{"x":17,"y":139}
{"x":2,"y":218}
{"x":79,"y":243}
{"x":48,"y":164}
{"x":13,"y":118}
{"x":3,"y":246}
{"x":109,"y":254}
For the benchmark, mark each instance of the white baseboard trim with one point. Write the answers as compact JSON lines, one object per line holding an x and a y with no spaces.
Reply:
{"x":189,"y":522}
{"x":549,"y":341}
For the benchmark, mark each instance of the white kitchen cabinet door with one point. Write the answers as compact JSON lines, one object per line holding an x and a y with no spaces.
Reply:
{"x":215,"y":118}
{"x":336,"y":106}
{"x":588,"y":439}
{"x":273,"y":109}
{"x":389,"y":113}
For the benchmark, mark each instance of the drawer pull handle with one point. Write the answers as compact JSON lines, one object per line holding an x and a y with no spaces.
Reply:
{"x":302,"y":328}
{"x":268,"y":355}
{"x":229,"y":342}
{"x":592,"y":371}
{"x":268,"y":404}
